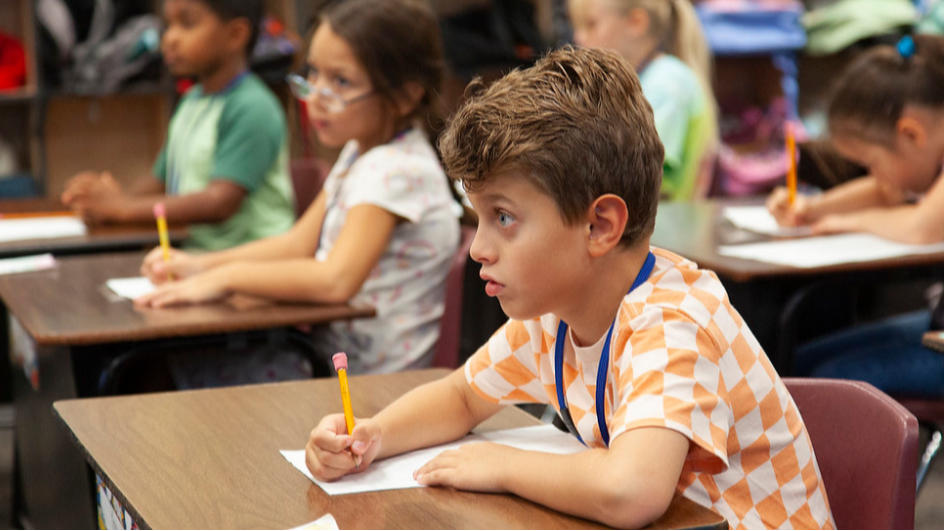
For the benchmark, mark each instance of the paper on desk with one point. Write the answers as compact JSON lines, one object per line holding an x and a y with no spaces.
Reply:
{"x":130,"y":288}
{"x":25,"y":264}
{"x":326,"y":522}
{"x":758,"y":219}
{"x":397,"y":472}
{"x":826,"y":250}
{"x":37,"y":228}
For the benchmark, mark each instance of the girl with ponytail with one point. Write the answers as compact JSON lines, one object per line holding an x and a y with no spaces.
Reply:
{"x":663,"y":41}
{"x":886,"y":114}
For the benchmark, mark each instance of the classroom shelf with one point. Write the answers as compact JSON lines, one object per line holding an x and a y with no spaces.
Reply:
{"x":19,"y":95}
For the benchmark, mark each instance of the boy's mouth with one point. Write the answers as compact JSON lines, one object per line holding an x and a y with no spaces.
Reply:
{"x":492,"y":288}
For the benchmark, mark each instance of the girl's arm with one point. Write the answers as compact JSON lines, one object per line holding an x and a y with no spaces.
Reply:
{"x":921,"y":223}
{"x":363,"y":239}
{"x":298,"y":242}
{"x":858,"y":194}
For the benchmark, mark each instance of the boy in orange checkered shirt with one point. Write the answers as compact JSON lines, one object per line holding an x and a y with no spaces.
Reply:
{"x":639,"y":350}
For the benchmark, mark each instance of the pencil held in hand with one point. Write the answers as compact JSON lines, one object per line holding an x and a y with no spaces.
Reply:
{"x":160,"y":215}
{"x":791,"y":163}
{"x":340,"y":365}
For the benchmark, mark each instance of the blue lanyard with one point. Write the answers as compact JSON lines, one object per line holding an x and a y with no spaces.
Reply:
{"x":602,"y":370}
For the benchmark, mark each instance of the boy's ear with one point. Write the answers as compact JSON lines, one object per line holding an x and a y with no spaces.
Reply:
{"x":239,"y":33}
{"x":409,"y":97}
{"x":912,"y":130}
{"x":607,"y":217}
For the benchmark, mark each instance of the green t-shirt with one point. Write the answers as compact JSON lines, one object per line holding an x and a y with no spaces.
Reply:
{"x":683,"y":122}
{"x":238,"y":135}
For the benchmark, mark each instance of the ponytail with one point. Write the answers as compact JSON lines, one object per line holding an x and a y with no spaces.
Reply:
{"x":871,"y":95}
{"x":686,"y":40}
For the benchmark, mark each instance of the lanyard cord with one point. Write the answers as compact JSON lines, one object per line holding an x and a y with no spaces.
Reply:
{"x":602,"y":369}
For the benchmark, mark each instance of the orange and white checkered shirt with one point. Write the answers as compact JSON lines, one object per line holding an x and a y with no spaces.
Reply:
{"x":683,"y":359}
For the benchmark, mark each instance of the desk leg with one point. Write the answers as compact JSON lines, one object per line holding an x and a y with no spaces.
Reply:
{"x":56,"y":485}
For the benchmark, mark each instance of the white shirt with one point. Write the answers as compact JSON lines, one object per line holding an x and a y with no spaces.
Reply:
{"x":407,"y":286}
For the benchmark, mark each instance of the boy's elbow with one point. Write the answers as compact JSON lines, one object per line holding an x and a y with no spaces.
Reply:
{"x":629,"y":506}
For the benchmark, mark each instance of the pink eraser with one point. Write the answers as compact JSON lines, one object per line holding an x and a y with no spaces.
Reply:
{"x":340,"y":361}
{"x":159,"y":210}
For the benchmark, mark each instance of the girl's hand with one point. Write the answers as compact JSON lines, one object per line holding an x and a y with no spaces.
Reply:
{"x":477,"y":467}
{"x":331,"y":453}
{"x":206,"y":287}
{"x":787,"y":215}
{"x":835,"y":224}
{"x":181,"y":265}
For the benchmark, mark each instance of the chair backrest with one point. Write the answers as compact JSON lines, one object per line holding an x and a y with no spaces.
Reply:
{"x":867,"y":448}
{"x":446,"y":353}
{"x":308,"y":176}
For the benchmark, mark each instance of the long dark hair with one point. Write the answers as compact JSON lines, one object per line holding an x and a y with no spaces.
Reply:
{"x":396,"y":41}
{"x":872,"y":93}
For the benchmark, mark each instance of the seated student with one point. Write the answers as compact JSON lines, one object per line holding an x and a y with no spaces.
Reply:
{"x":224,"y":166}
{"x":563,"y":164}
{"x":663,"y":41}
{"x":887,"y":114}
{"x":383,"y":231}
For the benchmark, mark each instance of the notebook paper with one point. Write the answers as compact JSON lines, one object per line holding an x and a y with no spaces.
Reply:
{"x":39,"y":228}
{"x":25,"y":264}
{"x":130,"y":288}
{"x":758,"y":219}
{"x":397,"y":472}
{"x":826,"y":250}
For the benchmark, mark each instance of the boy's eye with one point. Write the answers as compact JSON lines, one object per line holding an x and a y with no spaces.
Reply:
{"x":505,"y":219}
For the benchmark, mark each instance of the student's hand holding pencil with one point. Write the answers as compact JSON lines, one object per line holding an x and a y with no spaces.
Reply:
{"x":180,"y":264}
{"x":331,"y":453}
{"x":790,"y":215}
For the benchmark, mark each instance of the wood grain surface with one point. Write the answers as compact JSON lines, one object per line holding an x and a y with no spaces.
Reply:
{"x":70,"y":305}
{"x":210,"y":459}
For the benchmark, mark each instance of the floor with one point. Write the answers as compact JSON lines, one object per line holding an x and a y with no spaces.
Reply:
{"x":929,"y":513}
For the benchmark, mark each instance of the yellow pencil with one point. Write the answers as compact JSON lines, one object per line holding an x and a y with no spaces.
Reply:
{"x":792,"y":165}
{"x":340,"y":365}
{"x":160,"y":215}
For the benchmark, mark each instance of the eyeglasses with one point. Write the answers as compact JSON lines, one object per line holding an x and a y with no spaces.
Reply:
{"x":331,"y":100}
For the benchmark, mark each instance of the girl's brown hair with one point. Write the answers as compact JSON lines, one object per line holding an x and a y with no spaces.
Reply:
{"x":396,"y":41}
{"x":869,"y":98}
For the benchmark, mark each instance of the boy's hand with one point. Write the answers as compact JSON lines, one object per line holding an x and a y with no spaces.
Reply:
{"x":477,"y":467}
{"x":788,"y":215}
{"x":88,"y":186}
{"x":330,"y":452}
{"x":181,"y":265}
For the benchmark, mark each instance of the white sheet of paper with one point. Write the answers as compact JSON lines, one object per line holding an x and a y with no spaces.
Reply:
{"x":25,"y":264}
{"x":326,"y":522}
{"x":758,"y":219}
{"x":37,"y":228}
{"x":826,"y":250}
{"x":397,"y":472}
{"x":130,"y":288}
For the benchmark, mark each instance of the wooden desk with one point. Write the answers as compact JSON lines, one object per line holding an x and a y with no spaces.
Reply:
{"x":772,"y":297}
{"x":210,"y":460}
{"x":100,"y":239}
{"x":695,"y":230}
{"x":70,"y":326}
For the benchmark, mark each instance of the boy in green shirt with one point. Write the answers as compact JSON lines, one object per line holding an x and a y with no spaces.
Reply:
{"x":224,"y":166}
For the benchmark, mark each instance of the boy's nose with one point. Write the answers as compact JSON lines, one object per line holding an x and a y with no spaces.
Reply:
{"x":481,"y":251}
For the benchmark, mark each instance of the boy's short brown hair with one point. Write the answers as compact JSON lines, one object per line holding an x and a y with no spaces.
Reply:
{"x":576,"y":124}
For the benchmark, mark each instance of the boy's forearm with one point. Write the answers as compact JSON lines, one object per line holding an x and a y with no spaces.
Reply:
{"x":434,"y":413}
{"x":575,"y":484}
